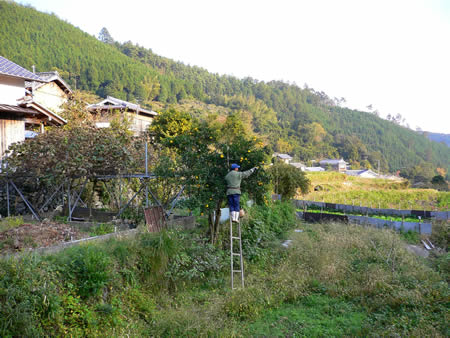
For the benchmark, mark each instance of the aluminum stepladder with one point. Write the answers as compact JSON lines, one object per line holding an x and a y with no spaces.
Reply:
{"x":234,"y":254}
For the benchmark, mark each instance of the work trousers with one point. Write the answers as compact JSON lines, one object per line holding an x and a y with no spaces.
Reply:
{"x":233,"y":202}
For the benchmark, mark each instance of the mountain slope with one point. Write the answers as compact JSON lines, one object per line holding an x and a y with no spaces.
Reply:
{"x":297,"y":120}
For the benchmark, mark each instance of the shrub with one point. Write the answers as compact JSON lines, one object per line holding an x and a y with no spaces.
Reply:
{"x":198,"y":261}
{"x":10,"y":223}
{"x":287,"y":180}
{"x":88,"y":267}
{"x":29,"y":304}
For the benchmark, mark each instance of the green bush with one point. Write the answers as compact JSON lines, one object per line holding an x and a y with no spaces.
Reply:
{"x":102,"y":229}
{"x":155,"y":250}
{"x":88,"y":267}
{"x":29,"y":305}
{"x":264,"y":225}
{"x":198,"y":261}
{"x":10,"y":223}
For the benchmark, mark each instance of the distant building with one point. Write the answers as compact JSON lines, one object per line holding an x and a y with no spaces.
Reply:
{"x":283,"y":157}
{"x":336,"y":165}
{"x":298,"y":165}
{"x":314,"y":169}
{"x":16,"y":113}
{"x":140,"y":118}
{"x":364,"y":173}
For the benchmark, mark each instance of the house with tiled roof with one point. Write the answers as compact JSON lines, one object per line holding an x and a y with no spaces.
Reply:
{"x":52,"y":93}
{"x":17,"y":112}
{"x":334,"y":164}
{"x":364,"y":173}
{"x":139,"y":117}
{"x":283,"y":157}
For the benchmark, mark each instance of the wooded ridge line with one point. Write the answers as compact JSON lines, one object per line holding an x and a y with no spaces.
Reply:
{"x":305,"y":123}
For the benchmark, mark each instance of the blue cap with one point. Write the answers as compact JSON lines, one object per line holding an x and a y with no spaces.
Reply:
{"x":234,"y":166}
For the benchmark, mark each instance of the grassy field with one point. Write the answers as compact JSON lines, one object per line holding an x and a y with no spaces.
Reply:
{"x":334,"y":280}
{"x":374,"y":193}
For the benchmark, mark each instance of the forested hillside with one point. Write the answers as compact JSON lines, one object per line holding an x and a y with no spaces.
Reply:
{"x":300,"y":121}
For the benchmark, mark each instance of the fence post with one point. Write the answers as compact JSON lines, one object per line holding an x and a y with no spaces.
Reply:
{"x":7,"y":198}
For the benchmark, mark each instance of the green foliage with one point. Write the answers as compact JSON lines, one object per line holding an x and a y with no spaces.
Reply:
{"x":201,"y":158}
{"x":102,"y":229}
{"x":302,"y":121}
{"x":287,"y":180}
{"x":314,"y":316}
{"x":87,"y":268}
{"x":333,"y":279}
{"x":87,"y":151}
{"x":440,"y":234}
{"x":411,"y":237}
{"x":156,"y":250}
{"x":199,"y":261}
{"x":10,"y":223}
{"x":264,"y":226}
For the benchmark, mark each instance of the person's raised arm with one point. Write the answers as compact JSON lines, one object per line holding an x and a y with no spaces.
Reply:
{"x":247,"y":173}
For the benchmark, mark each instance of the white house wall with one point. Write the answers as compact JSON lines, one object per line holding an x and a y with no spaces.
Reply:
{"x":50,"y":96}
{"x":11,"y":89}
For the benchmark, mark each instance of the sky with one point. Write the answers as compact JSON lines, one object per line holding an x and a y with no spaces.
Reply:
{"x":392,"y":54}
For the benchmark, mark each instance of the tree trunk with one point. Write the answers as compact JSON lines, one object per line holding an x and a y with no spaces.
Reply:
{"x":214,"y":222}
{"x":211,"y":227}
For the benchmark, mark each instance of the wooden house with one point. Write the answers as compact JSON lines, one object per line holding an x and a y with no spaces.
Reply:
{"x":17,"y":113}
{"x":140,"y":118}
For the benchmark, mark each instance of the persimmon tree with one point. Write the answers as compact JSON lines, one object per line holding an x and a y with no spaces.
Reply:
{"x":204,"y":152}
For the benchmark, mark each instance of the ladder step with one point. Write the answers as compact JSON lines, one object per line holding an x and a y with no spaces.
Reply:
{"x":235,"y":237}
{"x":236,"y":254}
{"x":236,"y":270}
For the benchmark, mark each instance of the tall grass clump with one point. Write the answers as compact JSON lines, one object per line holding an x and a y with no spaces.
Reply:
{"x":373,"y":268}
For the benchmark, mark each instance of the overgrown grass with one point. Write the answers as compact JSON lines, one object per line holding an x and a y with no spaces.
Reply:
{"x":334,"y":280}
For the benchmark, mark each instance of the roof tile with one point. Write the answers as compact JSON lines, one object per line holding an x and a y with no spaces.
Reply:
{"x":10,"y":68}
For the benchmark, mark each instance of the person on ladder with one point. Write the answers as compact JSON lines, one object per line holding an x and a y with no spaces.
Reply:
{"x":233,"y":179}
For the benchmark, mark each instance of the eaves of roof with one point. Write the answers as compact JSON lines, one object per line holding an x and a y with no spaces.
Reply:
{"x":11,"y":69}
